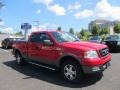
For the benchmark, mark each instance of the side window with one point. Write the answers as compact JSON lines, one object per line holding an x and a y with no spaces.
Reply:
{"x":33,"y":38}
{"x":108,"y":38}
{"x":42,"y":37}
{"x":6,"y":40}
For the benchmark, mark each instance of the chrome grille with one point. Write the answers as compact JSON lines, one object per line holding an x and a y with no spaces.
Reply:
{"x":104,"y":52}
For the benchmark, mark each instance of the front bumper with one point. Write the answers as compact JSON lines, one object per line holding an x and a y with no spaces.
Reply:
{"x":95,"y":69}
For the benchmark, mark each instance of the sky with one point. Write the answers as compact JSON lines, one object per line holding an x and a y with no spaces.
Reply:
{"x":74,"y":14}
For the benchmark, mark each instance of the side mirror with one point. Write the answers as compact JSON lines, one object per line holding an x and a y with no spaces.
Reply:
{"x":48,"y":42}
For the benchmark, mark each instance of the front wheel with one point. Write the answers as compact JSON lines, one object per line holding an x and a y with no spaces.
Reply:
{"x":71,"y":71}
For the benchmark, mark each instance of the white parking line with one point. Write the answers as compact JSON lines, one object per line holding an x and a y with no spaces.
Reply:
{"x":4,"y":50}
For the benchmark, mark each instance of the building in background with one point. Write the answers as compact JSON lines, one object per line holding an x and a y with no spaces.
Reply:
{"x":103,"y":24}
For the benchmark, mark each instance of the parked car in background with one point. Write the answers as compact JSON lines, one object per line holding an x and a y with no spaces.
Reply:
{"x":95,"y":39}
{"x":64,"y":52}
{"x":113,"y":42}
{"x":7,"y":42}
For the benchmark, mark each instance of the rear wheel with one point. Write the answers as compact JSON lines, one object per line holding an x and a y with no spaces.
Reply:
{"x":6,"y":47}
{"x":19,"y":59}
{"x":71,"y":71}
{"x":3,"y":46}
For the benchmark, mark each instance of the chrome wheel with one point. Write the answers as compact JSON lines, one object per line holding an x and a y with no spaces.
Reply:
{"x":70,"y":72}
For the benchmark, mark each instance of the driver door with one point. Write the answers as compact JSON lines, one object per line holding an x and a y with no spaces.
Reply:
{"x":46,"y":54}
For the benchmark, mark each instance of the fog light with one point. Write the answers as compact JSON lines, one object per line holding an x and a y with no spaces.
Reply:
{"x":95,"y":68}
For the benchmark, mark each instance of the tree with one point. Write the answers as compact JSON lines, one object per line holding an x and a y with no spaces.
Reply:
{"x":105,"y":31}
{"x":95,"y":30}
{"x":71,"y":30}
{"x":82,"y":32}
{"x":19,"y":33}
{"x":59,"y":28}
{"x":117,"y":28}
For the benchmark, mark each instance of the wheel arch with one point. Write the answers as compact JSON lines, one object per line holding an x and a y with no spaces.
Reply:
{"x":69,"y":57}
{"x":16,"y":51}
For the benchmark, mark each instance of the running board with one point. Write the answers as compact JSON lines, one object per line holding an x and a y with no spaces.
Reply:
{"x":40,"y":65}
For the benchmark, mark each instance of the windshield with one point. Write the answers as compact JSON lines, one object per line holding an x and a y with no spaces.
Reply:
{"x":64,"y":37}
{"x":95,"y":38}
{"x":113,"y":37}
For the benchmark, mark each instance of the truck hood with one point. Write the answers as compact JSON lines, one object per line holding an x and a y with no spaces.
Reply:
{"x":84,"y":45}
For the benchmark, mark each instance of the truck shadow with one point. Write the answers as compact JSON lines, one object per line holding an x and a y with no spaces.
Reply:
{"x":32,"y":71}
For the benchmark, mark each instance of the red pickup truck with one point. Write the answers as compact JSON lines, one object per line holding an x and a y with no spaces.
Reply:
{"x":62,"y":51}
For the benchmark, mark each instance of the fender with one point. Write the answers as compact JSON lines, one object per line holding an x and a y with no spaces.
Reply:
{"x":67,"y":55}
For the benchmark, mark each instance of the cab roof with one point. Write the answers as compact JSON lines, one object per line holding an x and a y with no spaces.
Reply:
{"x":46,"y":31}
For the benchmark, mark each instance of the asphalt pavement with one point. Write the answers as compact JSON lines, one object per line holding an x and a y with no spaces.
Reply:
{"x":31,"y":77}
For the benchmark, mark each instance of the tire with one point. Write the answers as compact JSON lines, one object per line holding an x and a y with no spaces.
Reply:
{"x":71,"y":71}
{"x":2,"y":47}
{"x":6,"y":47}
{"x":19,"y":59}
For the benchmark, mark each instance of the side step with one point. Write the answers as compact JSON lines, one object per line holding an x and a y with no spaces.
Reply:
{"x":44,"y":66}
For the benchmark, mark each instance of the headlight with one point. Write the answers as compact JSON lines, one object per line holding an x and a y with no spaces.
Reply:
{"x":91,"y":54}
{"x":118,"y":43}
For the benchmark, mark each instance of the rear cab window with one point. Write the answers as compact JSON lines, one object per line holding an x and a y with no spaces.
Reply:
{"x":39,"y":37}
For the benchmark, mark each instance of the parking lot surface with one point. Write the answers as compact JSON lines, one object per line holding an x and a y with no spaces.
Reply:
{"x":30,"y":77}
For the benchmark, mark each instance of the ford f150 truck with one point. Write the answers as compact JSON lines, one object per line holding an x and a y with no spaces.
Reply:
{"x":64,"y":52}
